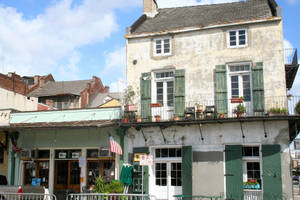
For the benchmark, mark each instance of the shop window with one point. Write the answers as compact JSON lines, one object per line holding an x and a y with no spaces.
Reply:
{"x":176,"y":174}
{"x":168,"y":153}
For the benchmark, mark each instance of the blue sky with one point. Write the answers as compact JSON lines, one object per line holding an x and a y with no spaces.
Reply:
{"x":76,"y":39}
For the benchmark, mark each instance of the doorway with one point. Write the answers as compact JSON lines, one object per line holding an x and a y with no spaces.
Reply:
{"x":67,"y":177}
{"x":167,"y":180}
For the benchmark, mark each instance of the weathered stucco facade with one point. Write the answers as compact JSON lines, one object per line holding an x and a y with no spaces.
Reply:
{"x":198,"y":53}
{"x":208,"y":146}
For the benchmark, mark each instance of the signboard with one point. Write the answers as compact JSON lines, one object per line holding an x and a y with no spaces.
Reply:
{"x":75,"y":154}
{"x":297,"y":144}
{"x":137,"y":156}
{"x":62,"y":155}
{"x":146,"y":160}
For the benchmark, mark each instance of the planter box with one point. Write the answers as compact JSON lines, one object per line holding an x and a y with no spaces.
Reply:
{"x":129,"y":107}
{"x":154,"y":105}
{"x":237,"y":100}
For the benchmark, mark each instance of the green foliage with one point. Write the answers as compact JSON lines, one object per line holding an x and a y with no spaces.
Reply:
{"x":240,"y":108}
{"x":279,"y":110}
{"x":297,"y":108}
{"x":113,"y":187}
{"x":100,"y":186}
{"x":128,"y":95}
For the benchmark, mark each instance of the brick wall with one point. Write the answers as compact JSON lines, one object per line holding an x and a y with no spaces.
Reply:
{"x":94,"y":87}
{"x":13,"y":83}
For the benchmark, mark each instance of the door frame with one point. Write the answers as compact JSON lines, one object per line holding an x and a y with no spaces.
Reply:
{"x":231,"y":106}
{"x":68,"y":186}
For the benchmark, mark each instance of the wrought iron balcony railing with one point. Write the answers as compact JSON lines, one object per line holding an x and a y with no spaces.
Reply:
{"x":212,"y":109}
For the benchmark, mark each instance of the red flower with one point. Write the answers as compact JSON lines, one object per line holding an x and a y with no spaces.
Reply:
{"x":252,"y":180}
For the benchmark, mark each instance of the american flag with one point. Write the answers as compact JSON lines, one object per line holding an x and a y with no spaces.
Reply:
{"x":114,"y":146}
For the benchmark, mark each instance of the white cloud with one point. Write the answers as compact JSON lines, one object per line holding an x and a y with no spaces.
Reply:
{"x":292,"y":2}
{"x":37,"y":45}
{"x":178,"y":3}
{"x":115,"y":69}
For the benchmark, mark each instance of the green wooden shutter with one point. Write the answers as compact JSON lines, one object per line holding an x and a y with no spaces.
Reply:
{"x":146,"y":96}
{"x":179,"y":94}
{"x":221,"y":89}
{"x":187,"y":170}
{"x":137,"y":175}
{"x":234,"y":172}
{"x":271,"y":167}
{"x":258,"y":89}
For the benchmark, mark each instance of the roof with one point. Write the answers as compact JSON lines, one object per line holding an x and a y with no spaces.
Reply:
{"x":90,"y":123}
{"x":99,"y":99}
{"x":169,"y":19}
{"x":60,"y":87}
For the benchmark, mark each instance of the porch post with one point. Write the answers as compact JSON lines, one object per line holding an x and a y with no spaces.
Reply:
{"x":51,"y":171}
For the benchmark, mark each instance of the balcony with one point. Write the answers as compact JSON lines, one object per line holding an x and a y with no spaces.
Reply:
{"x":275,"y":106}
{"x":291,"y":66}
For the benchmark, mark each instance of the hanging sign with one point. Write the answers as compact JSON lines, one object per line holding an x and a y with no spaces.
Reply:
{"x":146,"y":160}
{"x":137,"y":156}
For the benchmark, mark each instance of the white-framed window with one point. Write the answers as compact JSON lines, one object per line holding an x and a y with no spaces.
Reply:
{"x":162,"y":46}
{"x":237,"y":38}
{"x":164,"y":88}
{"x":252,"y":168}
{"x":240,"y":80}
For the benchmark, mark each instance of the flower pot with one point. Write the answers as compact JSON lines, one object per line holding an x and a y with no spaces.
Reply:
{"x":237,"y":100}
{"x":199,"y":108}
{"x":157,"y":118}
{"x":129,"y":107}
{"x":154,"y":105}
{"x":239,"y":114}
{"x":176,"y":118}
{"x":139,"y":120}
{"x":125,"y":120}
{"x":222,"y":115}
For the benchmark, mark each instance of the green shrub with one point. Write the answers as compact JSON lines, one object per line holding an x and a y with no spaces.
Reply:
{"x":113,"y":187}
{"x":278,"y":110}
{"x":240,"y":108}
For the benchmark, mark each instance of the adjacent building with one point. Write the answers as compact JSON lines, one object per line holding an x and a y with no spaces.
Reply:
{"x":210,"y":79}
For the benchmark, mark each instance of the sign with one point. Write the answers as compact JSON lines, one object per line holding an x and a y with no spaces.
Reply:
{"x":146,"y":160}
{"x":137,"y":156}
{"x":62,"y":155}
{"x":75,"y":154}
{"x":36,"y":182}
{"x":297,"y":144}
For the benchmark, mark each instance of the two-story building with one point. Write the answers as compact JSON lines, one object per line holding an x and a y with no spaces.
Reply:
{"x":210,"y":78}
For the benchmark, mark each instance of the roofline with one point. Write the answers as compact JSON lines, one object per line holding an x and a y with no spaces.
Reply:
{"x":196,"y":28}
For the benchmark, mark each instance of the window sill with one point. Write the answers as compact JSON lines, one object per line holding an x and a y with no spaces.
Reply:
{"x":237,"y":47}
{"x":250,"y":190}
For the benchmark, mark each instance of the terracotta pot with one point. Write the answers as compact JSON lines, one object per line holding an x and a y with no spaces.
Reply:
{"x":139,"y":120}
{"x":222,"y":116}
{"x":157,"y":118}
{"x":176,"y":118}
{"x":237,"y":100}
{"x":199,"y":108}
{"x":239,"y":114}
{"x":125,"y":120}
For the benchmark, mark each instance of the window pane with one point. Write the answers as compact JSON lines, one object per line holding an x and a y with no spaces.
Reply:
{"x":246,"y":88}
{"x":157,"y":153}
{"x":232,"y":33}
{"x":166,"y":41}
{"x":242,"y":32}
{"x":164,"y":153}
{"x":172,"y":153}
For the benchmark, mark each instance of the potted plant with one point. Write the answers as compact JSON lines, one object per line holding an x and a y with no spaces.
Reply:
{"x":199,"y":107}
{"x":297,"y":108}
{"x":237,"y":100}
{"x":277,"y":111}
{"x":222,"y":115}
{"x":240,"y":110}
{"x":157,"y":118}
{"x":251,"y":184}
{"x":128,"y":98}
{"x":176,"y":118}
{"x":138,"y":119}
{"x":125,"y":118}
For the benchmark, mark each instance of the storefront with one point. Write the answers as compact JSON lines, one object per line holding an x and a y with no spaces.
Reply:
{"x":65,"y":157}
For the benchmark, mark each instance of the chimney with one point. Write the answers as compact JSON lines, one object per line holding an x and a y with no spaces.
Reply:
{"x":150,"y":8}
{"x":36,"y":79}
